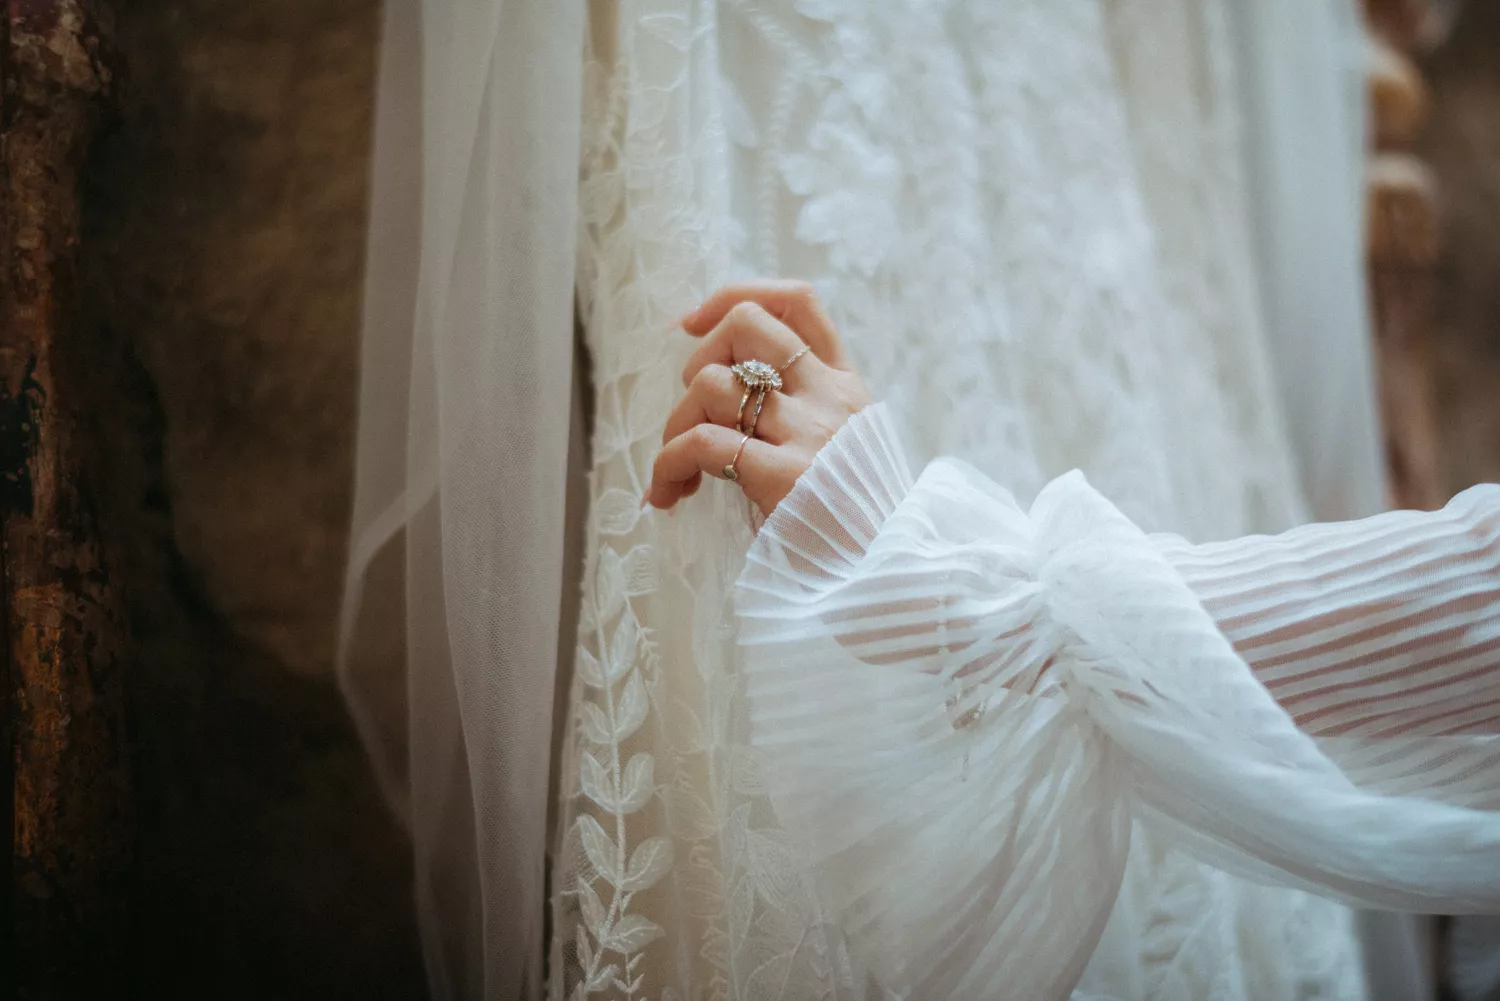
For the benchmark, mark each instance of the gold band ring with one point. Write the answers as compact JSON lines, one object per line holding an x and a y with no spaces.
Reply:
{"x":760,"y":401}
{"x":730,"y":472}
{"x":739,"y":419}
{"x":759,"y":378}
{"x":795,"y":358}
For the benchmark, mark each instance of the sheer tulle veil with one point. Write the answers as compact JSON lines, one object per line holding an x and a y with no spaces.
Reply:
{"x":449,"y":635}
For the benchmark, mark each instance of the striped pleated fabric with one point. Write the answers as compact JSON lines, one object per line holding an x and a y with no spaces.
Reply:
{"x":962,"y":708}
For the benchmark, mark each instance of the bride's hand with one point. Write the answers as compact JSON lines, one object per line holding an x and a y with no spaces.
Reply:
{"x":770,"y":322}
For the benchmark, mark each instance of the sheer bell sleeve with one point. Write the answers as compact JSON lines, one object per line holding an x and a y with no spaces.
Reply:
{"x":962,"y":707}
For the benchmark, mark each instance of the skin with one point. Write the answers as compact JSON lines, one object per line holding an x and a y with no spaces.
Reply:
{"x":768,"y":321}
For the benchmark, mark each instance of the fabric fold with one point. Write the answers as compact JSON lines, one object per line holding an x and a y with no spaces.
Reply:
{"x":963,"y":706}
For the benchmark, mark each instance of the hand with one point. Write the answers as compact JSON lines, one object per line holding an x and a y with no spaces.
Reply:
{"x":768,"y":321}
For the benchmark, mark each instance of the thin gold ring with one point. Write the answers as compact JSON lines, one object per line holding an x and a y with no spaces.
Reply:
{"x":795,"y":358}
{"x":760,"y":401}
{"x":739,"y":418}
{"x":730,"y":472}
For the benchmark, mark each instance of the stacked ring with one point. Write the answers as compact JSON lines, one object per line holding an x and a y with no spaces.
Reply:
{"x":795,"y":358}
{"x":758,"y":378}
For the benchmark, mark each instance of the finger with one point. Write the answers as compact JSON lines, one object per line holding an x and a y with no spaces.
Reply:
{"x":794,"y":303}
{"x":749,"y":333}
{"x":706,"y":448}
{"x":715,"y":396}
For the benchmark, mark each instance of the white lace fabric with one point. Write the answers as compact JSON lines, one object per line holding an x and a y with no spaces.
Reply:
{"x":965,"y":182}
{"x":963,"y":706}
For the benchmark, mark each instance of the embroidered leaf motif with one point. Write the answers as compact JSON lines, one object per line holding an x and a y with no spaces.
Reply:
{"x":595,"y":724}
{"x":593,"y":918}
{"x":609,"y":439}
{"x":773,"y":867}
{"x":715,"y":948}
{"x":598,"y":847}
{"x":617,"y":511}
{"x":622,"y":649}
{"x":632,"y":711}
{"x":649,"y":863}
{"x":637,"y":785}
{"x":691,"y":815}
{"x":639,"y":571}
{"x":632,"y":932}
{"x":588,"y":668}
{"x":602,"y":977}
{"x":609,"y":588}
{"x":683,"y":729}
{"x":702,"y":890}
{"x":594,"y":781}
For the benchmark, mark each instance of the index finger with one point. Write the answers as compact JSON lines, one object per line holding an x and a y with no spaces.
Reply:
{"x":794,"y":303}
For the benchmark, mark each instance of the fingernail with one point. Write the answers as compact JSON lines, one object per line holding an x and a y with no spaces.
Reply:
{"x":646,"y":501}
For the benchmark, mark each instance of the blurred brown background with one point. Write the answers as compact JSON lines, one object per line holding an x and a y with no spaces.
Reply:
{"x":1461,"y":144}
{"x":220,"y":245}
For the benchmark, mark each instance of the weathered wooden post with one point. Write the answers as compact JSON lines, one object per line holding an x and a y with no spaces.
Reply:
{"x":64,"y":775}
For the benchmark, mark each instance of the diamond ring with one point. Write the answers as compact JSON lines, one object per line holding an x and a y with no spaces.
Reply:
{"x":758,"y":378}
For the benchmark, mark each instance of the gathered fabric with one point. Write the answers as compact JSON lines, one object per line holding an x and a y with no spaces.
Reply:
{"x":965,"y":708}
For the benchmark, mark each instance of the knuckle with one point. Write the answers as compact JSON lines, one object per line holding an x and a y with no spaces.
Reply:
{"x":711,"y":379}
{"x":746,"y":313}
{"x":701,"y":438}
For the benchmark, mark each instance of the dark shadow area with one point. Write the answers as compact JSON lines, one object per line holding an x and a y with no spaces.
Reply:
{"x":1461,"y":144}
{"x":223,"y":241}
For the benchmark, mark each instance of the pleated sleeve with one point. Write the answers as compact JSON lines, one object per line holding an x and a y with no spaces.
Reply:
{"x":963,"y":706}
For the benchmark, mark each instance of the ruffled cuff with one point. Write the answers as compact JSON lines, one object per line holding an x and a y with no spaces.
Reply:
{"x":961,"y":706}
{"x":894,"y":656}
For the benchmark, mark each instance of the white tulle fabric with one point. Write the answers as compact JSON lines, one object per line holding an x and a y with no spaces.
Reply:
{"x":963,"y":705}
{"x":449,"y":633}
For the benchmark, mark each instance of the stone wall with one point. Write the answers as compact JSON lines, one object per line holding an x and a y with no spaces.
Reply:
{"x":221,"y":256}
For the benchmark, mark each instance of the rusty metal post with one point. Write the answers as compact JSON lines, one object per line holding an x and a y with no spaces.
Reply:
{"x":66,"y":820}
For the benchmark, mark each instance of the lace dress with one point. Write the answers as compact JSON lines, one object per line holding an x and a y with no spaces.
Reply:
{"x":1036,"y":253}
